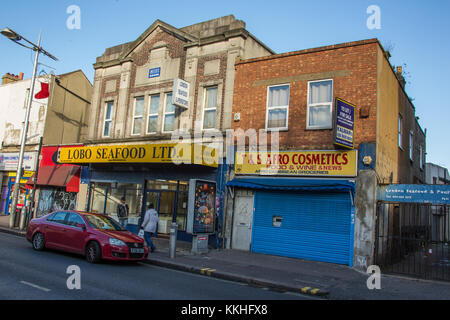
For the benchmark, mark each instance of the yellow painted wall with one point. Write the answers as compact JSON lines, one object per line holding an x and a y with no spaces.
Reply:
{"x":387,"y":123}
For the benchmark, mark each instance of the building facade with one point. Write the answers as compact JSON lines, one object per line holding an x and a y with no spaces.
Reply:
{"x":58,"y":116}
{"x":133,"y":116}
{"x":344,"y":125}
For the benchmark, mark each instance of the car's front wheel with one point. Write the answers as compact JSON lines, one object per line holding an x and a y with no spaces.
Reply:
{"x":38,"y":241}
{"x":93,"y":252}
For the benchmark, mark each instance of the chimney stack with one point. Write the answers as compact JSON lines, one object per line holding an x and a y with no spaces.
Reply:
{"x":400,"y":77}
{"x":8,"y":78}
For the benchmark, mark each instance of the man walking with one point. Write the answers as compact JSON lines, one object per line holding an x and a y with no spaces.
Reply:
{"x":122,"y":212}
{"x":150,"y":225}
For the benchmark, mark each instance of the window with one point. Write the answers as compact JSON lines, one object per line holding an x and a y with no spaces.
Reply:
{"x":421,"y":157}
{"x":152,"y":123}
{"x":108,"y":119}
{"x":74,"y":219}
{"x":320,"y":100}
{"x":58,"y":217}
{"x":169,"y":114}
{"x":411,"y":148}
{"x":137,"y":115}
{"x":277,"y":107}
{"x":400,"y":129}
{"x":209,"y":108}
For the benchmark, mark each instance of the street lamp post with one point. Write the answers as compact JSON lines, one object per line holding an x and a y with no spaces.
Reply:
{"x":37,"y":48}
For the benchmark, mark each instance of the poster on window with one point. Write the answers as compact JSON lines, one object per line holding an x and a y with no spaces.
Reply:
{"x":201,"y":207}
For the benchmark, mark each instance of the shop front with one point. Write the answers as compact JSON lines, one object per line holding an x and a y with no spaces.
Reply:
{"x":57,"y":185}
{"x":144,"y":174}
{"x":8,"y":170}
{"x":296,"y":204}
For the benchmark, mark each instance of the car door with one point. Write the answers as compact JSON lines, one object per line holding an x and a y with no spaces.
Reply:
{"x":55,"y":229}
{"x":74,"y":235}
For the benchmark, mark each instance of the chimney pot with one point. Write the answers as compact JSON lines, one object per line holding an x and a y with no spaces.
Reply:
{"x":399,"y":69}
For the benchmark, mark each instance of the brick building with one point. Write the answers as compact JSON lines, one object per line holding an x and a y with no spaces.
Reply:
{"x":316,"y":199}
{"x":132,"y":110}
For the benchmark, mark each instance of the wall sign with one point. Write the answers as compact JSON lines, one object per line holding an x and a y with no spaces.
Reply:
{"x":10,"y":161}
{"x":180,"y":90}
{"x":344,"y":122}
{"x":154,"y":72}
{"x":178,"y":153}
{"x":415,"y":193}
{"x":298,"y":163}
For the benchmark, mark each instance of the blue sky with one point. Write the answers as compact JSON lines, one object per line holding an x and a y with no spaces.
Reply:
{"x":416,"y":31}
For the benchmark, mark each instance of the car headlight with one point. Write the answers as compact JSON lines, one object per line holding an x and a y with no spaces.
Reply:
{"x":116,"y":242}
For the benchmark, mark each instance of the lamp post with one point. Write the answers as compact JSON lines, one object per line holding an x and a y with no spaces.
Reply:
{"x":13,"y":36}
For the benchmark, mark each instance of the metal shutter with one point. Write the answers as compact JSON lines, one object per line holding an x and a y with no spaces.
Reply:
{"x":315,"y":225}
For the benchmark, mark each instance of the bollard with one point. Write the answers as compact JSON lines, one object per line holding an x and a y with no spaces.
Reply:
{"x":173,"y":239}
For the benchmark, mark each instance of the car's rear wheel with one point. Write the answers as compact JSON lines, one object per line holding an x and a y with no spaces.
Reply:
{"x":38,"y":241}
{"x":93,"y":252}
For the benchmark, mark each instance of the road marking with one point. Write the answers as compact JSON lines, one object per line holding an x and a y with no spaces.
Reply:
{"x":35,"y":286}
{"x":207,"y":271}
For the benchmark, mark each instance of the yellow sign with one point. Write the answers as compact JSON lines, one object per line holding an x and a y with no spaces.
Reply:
{"x":298,"y":163}
{"x":177,"y":153}
{"x":26,"y":175}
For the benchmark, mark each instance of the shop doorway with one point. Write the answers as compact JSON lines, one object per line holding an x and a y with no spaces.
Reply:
{"x":242,"y":227}
{"x":170,"y":199}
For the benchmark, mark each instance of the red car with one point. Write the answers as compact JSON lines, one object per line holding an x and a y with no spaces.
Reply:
{"x":94,"y":235}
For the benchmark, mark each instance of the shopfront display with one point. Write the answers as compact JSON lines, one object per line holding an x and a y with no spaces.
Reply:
{"x":296,"y":204}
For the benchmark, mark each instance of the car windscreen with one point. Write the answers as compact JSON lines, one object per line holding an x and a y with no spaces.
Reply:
{"x":103,"y":223}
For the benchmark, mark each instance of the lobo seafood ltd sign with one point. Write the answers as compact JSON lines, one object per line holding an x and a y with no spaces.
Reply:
{"x":298,"y":163}
{"x":177,"y":153}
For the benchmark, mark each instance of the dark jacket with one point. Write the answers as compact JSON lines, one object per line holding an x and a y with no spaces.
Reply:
{"x":122,"y":210}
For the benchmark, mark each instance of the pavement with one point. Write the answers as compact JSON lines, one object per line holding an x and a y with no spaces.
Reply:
{"x":318,"y":279}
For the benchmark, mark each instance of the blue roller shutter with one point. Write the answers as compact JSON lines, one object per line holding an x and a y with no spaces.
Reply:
{"x":315,"y":225}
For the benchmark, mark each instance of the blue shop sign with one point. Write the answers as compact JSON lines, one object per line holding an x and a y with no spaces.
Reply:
{"x":344,"y":123}
{"x":154,"y":72}
{"x":415,"y":193}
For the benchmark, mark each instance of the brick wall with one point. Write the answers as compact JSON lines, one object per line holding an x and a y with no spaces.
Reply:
{"x":353,"y":68}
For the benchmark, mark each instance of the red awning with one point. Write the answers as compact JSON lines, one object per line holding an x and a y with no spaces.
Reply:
{"x":58,"y":176}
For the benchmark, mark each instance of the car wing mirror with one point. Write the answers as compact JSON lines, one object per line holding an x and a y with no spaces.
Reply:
{"x":82,"y":226}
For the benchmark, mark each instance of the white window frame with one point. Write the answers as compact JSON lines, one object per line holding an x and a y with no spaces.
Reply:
{"x":110,"y":120}
{"x":166,"y":94}
{"x":308,"y":105}
{"x":137,"y":117}
{"x":285,"y":128}
{"x":400,"y":131}
{"x":205,"y":90}
{"x":411,"y":145}
{"x":152,"y":114}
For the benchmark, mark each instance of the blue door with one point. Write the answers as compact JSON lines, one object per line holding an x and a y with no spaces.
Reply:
{"x":309,"y":225}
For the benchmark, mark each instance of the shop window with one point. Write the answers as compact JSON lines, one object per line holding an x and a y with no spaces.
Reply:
{"x":106,"y":196}
{"x":108,"y":119}
{"x":277,"y":107}
{"x":320,"y":100}
{"x":152,"y":123}
{"x":138,"y":115}
{"x":209,"y":108}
